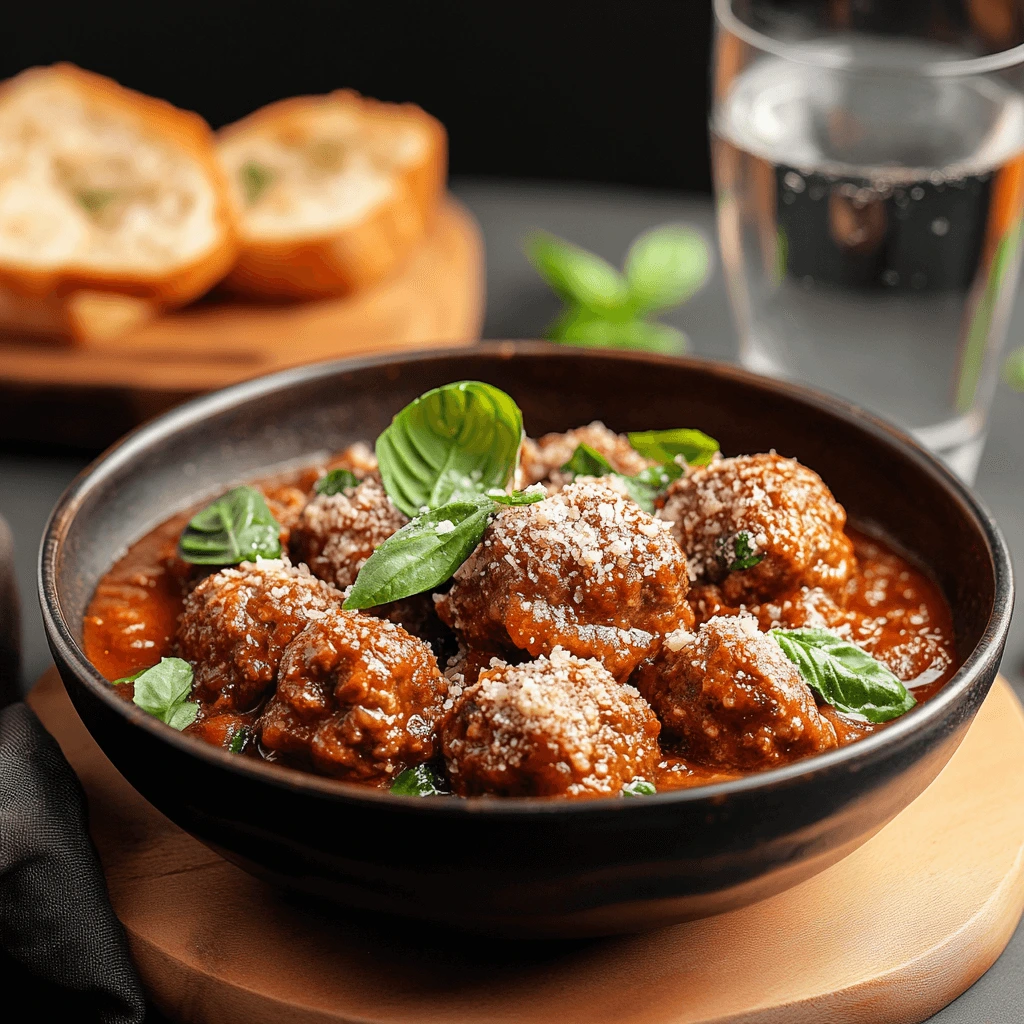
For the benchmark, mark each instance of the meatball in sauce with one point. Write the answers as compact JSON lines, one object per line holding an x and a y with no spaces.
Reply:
{"x":582,"y":646}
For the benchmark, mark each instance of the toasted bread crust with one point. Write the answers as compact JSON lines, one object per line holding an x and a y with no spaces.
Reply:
{"x":52,"y":289}
{"x":338,"y":261}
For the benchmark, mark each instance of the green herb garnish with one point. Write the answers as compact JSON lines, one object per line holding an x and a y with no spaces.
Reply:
{"x":256,"y":179}
{"x":608,"y":308}
{"x":845,"y":676}
{"x":664,"y":445}
{"x":95,"y":200}
{"x":743,"y":555}
{"x":452,"y":443}
{"x":643,"y":488}
{"x":239,"y":739}
{"x":163,"y":691}
{"x":639,"y":787}
{"x":425,"y":552}
{"x":335,"y":482}
{"x":237,"y":527}
{"x":419,"y":781}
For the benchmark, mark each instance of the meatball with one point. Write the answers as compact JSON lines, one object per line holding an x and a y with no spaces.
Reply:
{"x":237,"y":622}
{"x":586,"y":569}
{"x":540,"y":461}
{"x":807,"y":607}
{"x":731,"y":698}
{"x":356,"y":696}
{"x":558,"y":726}
{"x":782,"y":510}
{"x":336,"y":533}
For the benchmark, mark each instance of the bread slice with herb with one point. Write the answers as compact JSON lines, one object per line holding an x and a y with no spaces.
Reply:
{"x":112,"y":205}
{"x":331,"y":192}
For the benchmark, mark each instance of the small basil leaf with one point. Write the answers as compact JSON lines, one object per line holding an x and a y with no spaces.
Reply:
{"x":743,"y":555}
{"x":585,"y":461}
{"x":237,"y":527}
{"x":584,"y":329}
{"x":450,"y":444}
{"x":163,"y":691}
{"x":665,"y":266}
{"x":422,"y":554}
{"x":239,"y":739}
{"x":843,"y":675}
{"x":516,"y":497}
{"x":256,"y":179}
{"x":419,"y":781}
{"x":639,"y":787}
{"x":664,"y":445}
{"x":576,"y":275}
{"x":335,"y":482}
{"x":660,"y":476}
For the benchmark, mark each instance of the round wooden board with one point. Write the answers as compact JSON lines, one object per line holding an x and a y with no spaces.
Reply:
{"x":887,"y":936}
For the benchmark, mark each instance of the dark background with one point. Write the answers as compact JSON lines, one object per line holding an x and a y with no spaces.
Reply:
{"x":611,"y":90}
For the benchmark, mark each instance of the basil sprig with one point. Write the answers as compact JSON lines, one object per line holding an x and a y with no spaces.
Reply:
{"x":336,"y":482}
{"x":643,"y":488}
{"x":608,"y":308}
{"x":237,"y":527}
{"x":256,"y":178}
{"x":425,"y":552}
{"x":845,"y":676}
{"x":452,"y":443}
{"x":664,"y":445}
{"x":163,"y":691}
{"x":419,"y":781}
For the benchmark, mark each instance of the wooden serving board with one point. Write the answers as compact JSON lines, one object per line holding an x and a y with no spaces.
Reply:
{"x":53,"y":391}
{"x":887,"y":936}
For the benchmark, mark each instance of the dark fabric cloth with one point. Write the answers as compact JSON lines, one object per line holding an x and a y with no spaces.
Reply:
{"x":62,"y":950}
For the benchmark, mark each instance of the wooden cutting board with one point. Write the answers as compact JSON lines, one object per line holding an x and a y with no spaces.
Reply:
{"x":91,"y":393}
{"x":887,"y":936}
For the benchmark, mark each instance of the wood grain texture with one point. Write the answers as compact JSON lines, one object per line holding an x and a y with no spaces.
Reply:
{"x":435,"y":298}
{"x":888,"y":936}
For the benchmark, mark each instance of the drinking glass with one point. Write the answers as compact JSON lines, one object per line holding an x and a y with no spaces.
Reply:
{"x":869,"y":180}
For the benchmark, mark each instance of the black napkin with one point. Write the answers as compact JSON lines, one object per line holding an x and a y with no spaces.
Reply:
{"x":62,"y":950}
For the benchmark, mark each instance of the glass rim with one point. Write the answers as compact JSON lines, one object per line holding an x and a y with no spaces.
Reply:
{"x":798,"y":53}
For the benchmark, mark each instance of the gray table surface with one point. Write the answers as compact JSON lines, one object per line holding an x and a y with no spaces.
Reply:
{"x":518,"y":306}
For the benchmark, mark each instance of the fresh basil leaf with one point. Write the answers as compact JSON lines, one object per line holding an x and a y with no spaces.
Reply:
{"x":95,"y":200}
{"x":256,"y":178}
{"x":163,"y":691}
{"x":237,"y":527}
{"x":450,"y":444}
{"x":585,"y":461}
{"x":419,"y":781}
{"x":239,"y":739}
{"x":335,"y":482}
{"x":665,"y":266}
{"x":516,"y":497}
{"x":664,"y":445}
{"x":1013,"y":369}
{"x":743,"y":555}
{"x":845,"y":676}
{"x":576,"y":275}
{"x":422,"y":554}
{"x":643,"y":488}
{"x":584,"y":329}
{"x":639,"y":787}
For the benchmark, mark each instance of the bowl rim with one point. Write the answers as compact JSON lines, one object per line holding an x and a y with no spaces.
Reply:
{"x":135,"y":443}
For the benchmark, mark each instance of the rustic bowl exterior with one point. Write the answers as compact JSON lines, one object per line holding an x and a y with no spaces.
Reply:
{"x":529,"y":867}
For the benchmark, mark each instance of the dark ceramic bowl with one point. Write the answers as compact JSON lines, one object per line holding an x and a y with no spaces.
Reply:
{"x":520,"y":866}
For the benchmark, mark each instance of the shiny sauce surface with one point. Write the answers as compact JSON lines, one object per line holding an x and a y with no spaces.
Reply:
{"x":890,"y":607}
